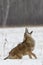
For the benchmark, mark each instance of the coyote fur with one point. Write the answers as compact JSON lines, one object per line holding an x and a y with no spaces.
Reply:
{"x":24,"y":48}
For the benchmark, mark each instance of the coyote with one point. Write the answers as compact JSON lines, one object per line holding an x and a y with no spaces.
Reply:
{"x":24,"y":48}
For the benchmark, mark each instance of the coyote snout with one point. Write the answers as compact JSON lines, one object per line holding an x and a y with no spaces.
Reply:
{"x":25,"y":48}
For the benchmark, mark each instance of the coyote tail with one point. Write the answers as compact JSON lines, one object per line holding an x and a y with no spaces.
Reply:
{"x":6,"y":58}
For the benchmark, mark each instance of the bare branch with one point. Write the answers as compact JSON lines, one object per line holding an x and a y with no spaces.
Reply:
{"x":5,"y":15}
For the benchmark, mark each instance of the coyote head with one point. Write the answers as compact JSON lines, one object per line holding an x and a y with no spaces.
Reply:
{"x":27,"y":33}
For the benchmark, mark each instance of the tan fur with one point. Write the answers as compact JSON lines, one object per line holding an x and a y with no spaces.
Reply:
{"x":24,"y":48}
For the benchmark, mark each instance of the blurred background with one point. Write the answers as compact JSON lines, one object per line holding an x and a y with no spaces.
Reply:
{"x":21,"y":12}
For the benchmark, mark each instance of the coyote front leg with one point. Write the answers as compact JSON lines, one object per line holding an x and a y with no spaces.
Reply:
{"x":33,"y":54}
{"x":29,"y":54}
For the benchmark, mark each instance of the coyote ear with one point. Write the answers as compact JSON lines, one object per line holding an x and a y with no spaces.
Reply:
{"x":31,"y":32}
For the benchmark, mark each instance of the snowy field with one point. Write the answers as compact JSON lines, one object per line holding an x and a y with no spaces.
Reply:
{"x":14,"y":36}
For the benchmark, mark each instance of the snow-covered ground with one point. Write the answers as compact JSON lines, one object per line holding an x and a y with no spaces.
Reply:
{"x":14,"y":36}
